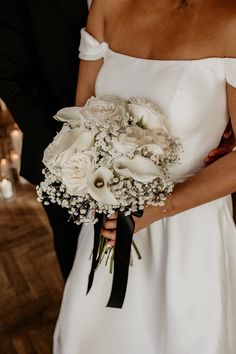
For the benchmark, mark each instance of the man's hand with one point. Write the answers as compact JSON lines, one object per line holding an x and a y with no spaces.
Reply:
{"x":226,"y":145}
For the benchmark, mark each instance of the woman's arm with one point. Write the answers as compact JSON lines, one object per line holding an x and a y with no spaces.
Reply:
{"x":88,"y":70}
{"x":212,"y":182}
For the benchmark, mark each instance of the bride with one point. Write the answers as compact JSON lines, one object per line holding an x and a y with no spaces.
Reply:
{"x":181,"y":297}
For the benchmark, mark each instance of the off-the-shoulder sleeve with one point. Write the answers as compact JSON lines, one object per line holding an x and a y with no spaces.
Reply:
{"x":90,"y":48}
{"x":230,"y":70}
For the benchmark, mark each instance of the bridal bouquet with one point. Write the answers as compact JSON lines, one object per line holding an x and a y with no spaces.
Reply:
{"x":110,"y":155}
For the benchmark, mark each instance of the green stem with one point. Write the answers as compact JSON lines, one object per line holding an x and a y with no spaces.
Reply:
{"x":102,"y":251}
{"x":112,"y":261}
{"x":136,"y":250}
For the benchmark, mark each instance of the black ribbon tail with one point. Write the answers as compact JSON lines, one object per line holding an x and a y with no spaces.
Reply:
{"x":97,"y":230}
{"x":124,"y":237}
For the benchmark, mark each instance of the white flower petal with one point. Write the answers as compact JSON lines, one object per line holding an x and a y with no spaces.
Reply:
{"x":101,"y":194}
{"x":84,"y":141}
{"x":75,"y":171}
{"x":123,"y":148}
{"x":148,"y":114}
{"x":156,"y":149}
{"x":69,"y":139}
{"x":107,"y":98}
{"x":68,"y":114}
{"x":139,"y":168}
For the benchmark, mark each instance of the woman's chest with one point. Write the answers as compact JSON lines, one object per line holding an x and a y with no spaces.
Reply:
{"x":159,"y":33}
{"x":190,"y":93}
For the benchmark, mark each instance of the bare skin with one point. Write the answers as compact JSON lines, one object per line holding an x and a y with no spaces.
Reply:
{"x":158,"y":29}
{"x":227,"y":144}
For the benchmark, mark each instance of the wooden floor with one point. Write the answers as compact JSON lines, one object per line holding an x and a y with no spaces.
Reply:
{"x":30,"y":281}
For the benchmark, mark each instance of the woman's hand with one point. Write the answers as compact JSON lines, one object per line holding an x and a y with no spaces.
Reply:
{"x":109,"y":230}
{"x":226,"y":146}
{"x":150,"y":215}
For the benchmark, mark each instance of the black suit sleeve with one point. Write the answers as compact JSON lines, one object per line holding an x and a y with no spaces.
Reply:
{"x":20,"y":86}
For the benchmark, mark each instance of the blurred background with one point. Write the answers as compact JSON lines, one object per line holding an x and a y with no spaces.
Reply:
{"x":30,"y":280}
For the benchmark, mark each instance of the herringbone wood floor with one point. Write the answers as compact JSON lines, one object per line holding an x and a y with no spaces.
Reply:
{"x":30,"y":281}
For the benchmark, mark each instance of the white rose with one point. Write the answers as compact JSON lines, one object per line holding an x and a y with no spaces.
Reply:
{"x":99,"y":108}
{"x":158,"y":143}
{"x":155,"y":149}
{"x":148,"y":114}
{"x":107,"y":98}
{"x":66,"y":141}
{"x":98,"y":186}
{"x":139,"y":168}
{"x":161,"y":140}
{"x":76,"y":171}
{"x":134,"y":137}
{"x":95,"y":109}
{"x":129,"y":139}
{"x":50,"y":153}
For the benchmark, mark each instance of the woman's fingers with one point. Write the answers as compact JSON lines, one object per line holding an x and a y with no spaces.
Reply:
{"x":110,"y":244}
{"x":109,"y":234}
{"x":109,"y":230}
{"x":110,"y":224}
{"x":113,"y":216}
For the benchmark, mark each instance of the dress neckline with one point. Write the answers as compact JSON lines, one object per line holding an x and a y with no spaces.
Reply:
{"x":167,"y":60}
{"x":106,"y":45}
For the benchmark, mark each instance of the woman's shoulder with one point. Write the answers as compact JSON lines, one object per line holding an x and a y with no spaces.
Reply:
{"x":228,"y":28}
{"x":103,"y":12}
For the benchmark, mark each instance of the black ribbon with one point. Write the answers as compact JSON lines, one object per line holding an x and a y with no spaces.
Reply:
{"x":124,"y":237}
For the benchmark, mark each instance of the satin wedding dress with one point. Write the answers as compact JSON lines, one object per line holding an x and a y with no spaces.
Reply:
{"x":181,"y":297}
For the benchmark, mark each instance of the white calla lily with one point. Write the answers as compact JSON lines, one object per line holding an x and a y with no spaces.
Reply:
{"x":70,"y":115}
{"x":77,"y":138}
{"x":98,"y":189}
{"x":139,"y":168}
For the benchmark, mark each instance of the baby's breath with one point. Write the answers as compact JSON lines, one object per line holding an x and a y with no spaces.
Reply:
{"x":131,"y":193}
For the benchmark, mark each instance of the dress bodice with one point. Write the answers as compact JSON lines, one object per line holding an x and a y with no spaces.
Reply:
{"x":181,"y":297}
{"x":191,"y":93}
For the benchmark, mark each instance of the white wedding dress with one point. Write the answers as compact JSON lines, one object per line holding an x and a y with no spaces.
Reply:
{"x":181,"y":297}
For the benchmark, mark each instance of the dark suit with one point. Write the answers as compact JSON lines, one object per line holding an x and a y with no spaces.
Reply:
{"x":38,"y":72}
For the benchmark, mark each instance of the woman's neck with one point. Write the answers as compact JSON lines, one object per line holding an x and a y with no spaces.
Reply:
{"x":183,"y":4}
{"x":179,"y":4}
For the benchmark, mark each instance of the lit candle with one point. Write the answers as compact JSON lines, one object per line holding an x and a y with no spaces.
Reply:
{"x":6,"y":188}
{"x":16,"y":138}
{"x":4,"y":166}
{"x":15,"y":160}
